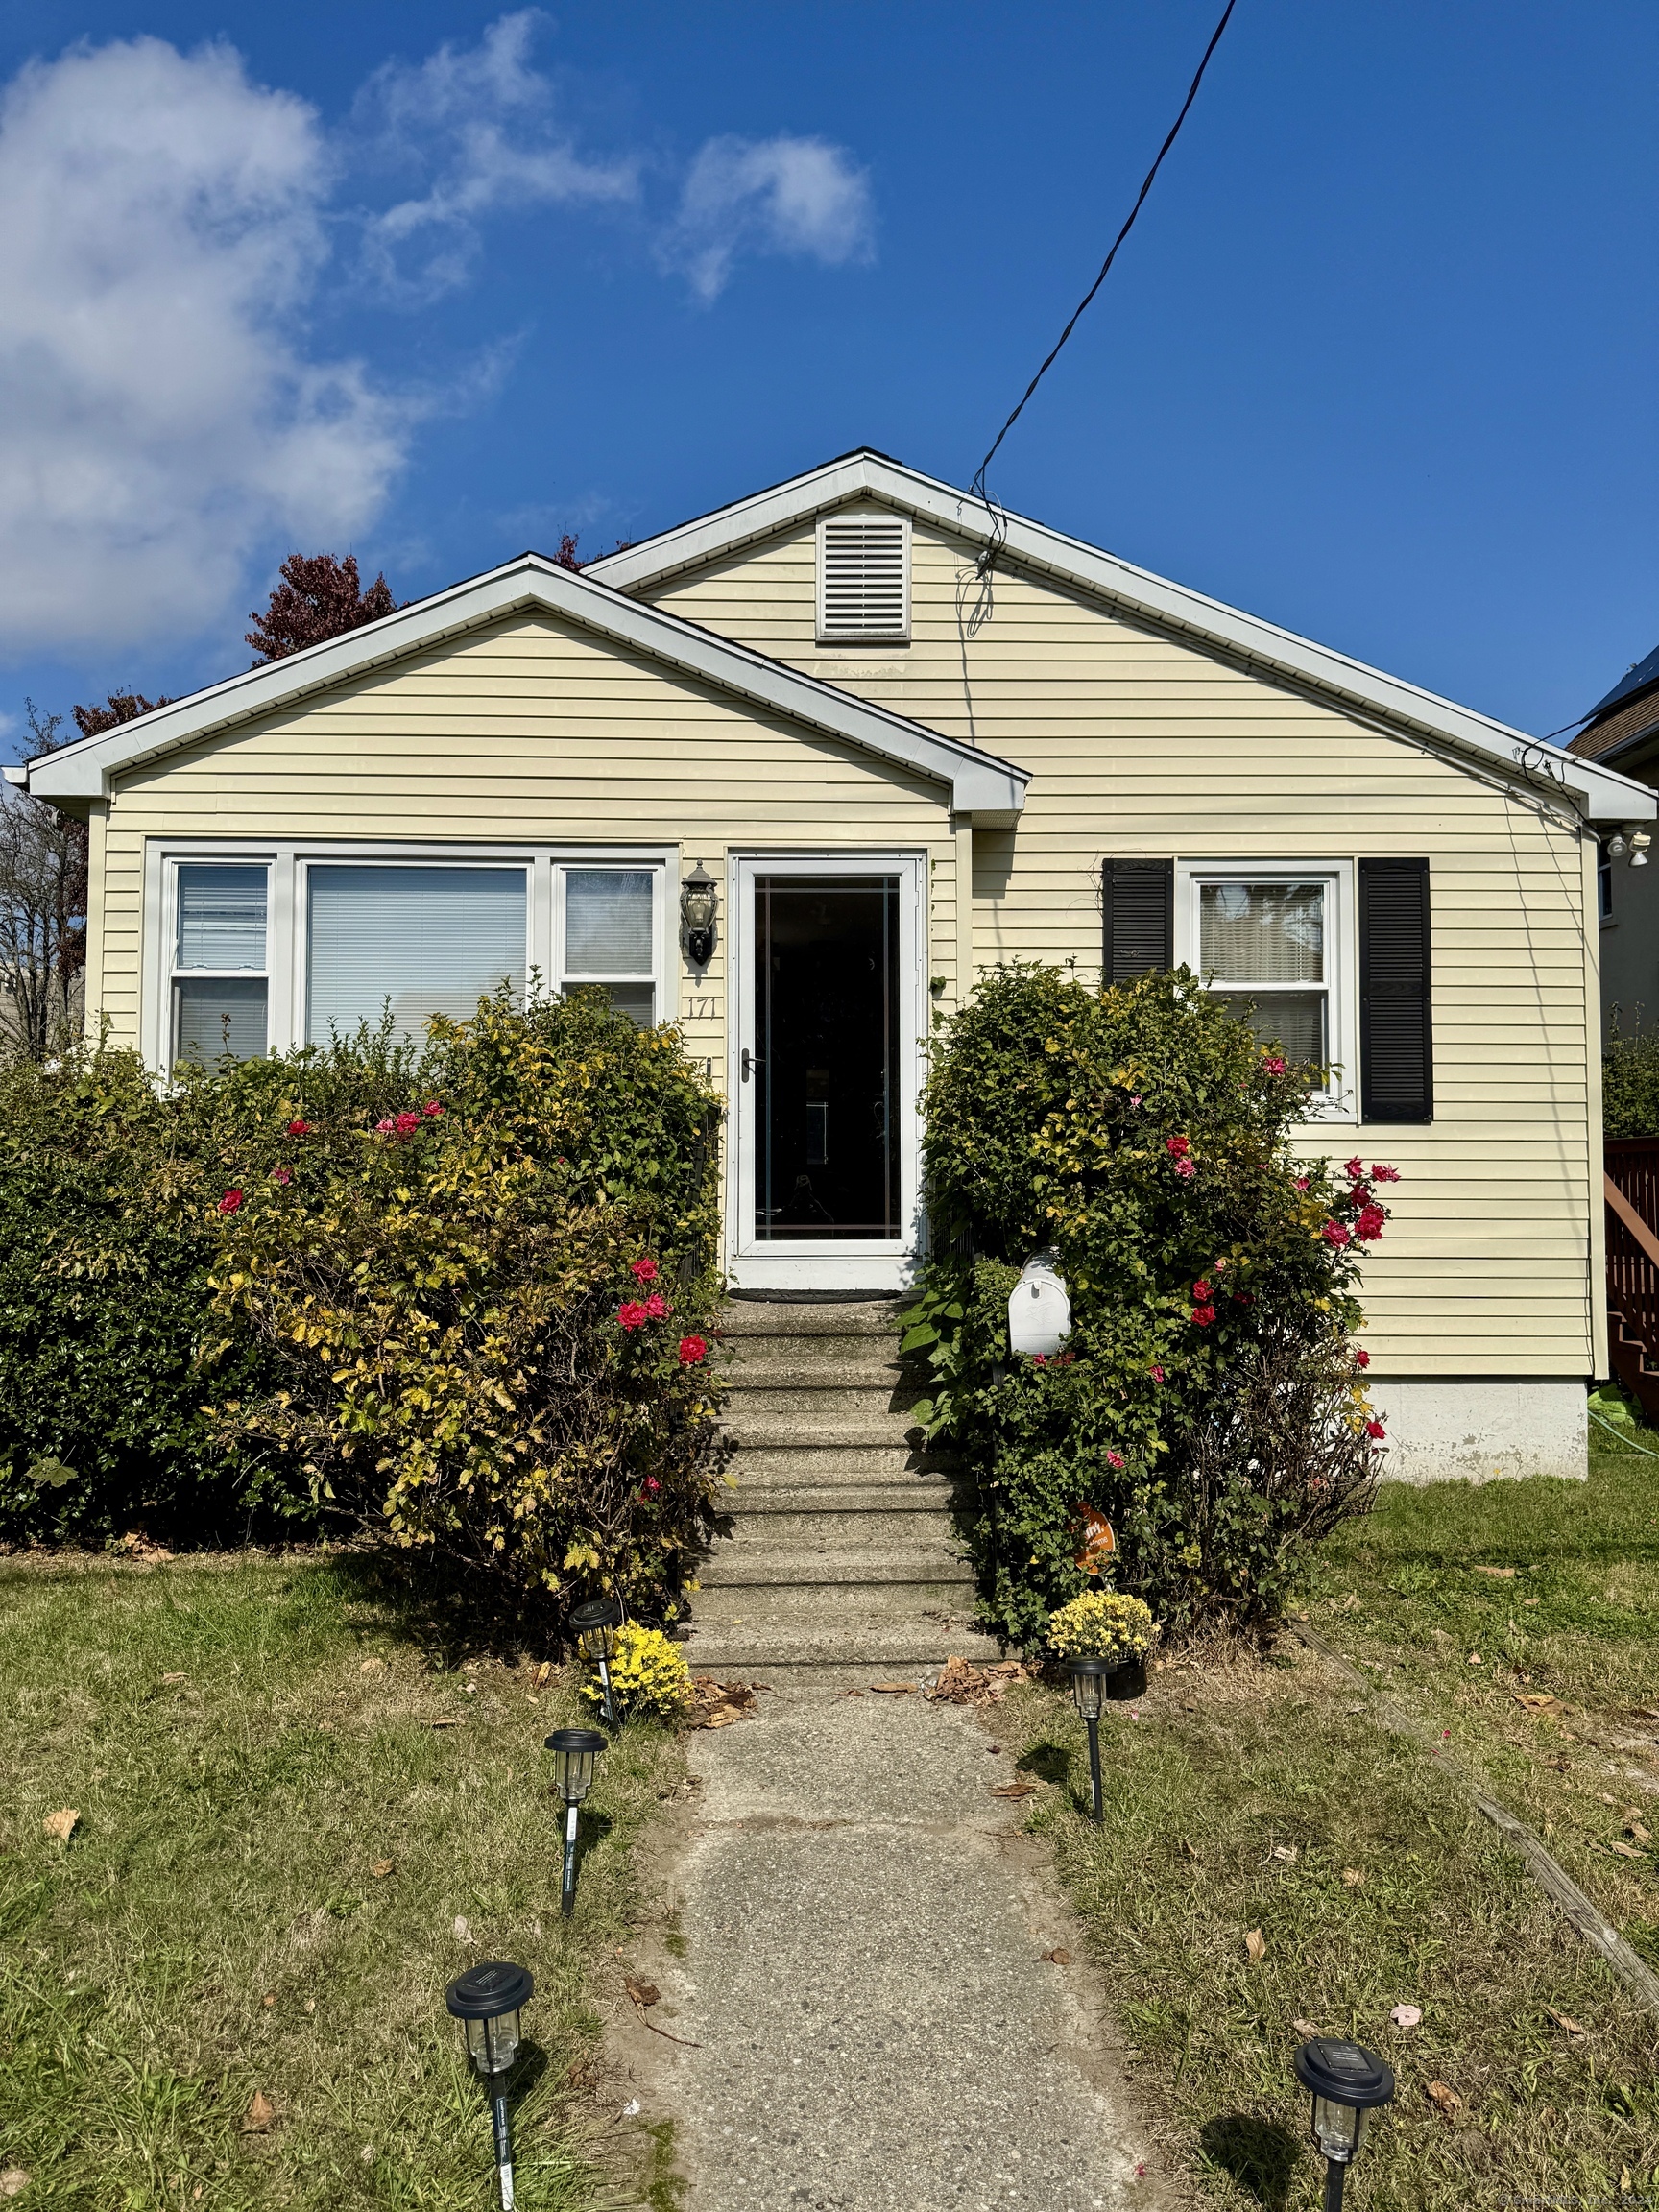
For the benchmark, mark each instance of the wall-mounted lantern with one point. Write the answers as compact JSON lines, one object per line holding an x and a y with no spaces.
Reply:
{"x":699,"y":898}
{"x":1040,"y":1309}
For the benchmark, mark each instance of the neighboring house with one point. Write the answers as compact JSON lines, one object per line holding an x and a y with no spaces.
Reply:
{"x":898,"y":771}
{"x":1622,"y":733}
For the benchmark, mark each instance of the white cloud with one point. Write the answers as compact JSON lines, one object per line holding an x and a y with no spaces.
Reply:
{"x":479,"y":126}
{"x":160,"y":234}
{"x":777,"y":194}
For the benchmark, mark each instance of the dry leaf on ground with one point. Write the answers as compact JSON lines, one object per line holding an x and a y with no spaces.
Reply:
{"x":261,"y":2114}
{"x":717,"y":1704}
{"x":1058,"y":1957}
{"x":1286,"y":1853}
{"x":1503,"y":1574}
{"x":14,"y":2181}
{"x":1535,"y":1701}
{"x":643,"y":1993}
{"x":1561,"y":2020}
{"x":1625,"y":1850}
{"x":175,"y":1677}
{"x":1444,"y":2097}
{"x":960,"y":1684}
{"x":1305,"y":2027}
{"x":381,"y":1868}
{"x":1014,"y":1789}
{"x":1407,"y":2016}
{"x":1633,"y":1826}
{"x":371,"y":1667}
{"x":434,"y":1723}
{"x":543,"y":1671}
{"x":61,"y":1825}
{"x":1256,"y":1946}
{"x":1352,"y":1877}
{"x":893,"y":1688}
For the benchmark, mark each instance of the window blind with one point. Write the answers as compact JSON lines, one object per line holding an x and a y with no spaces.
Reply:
{"x":1138,"y":908}
{"x":219,"y":1016}
{"x":863,"y":587}
{"x":221,"y":916}
{"x":427,"y":940}
{"x":1396,"y":1016}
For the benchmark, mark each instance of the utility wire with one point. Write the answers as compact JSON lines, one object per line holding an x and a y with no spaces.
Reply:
{"x":997,"y":521}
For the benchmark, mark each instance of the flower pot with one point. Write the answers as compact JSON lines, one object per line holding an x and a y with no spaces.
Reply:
{"x":1129,"y":1681}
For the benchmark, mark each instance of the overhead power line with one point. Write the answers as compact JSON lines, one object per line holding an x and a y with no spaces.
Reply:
{"x":1129,"y":224}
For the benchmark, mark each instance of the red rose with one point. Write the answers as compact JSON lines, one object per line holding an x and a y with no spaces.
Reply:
{"x":1334,"y":1233}
{"x":1301,"y":1181}
{"x":1202,"y":1316}
{"x":1381,"y":1174}
{"x":643,"y":1270}
{"x":655,"y":1307}
{"x":692,"y":1350}
{"x":1370,"y":1223}
{"x":231,"y":1201}
{"x":1376,"y":1430}
{"x":650,"y":1486}
{"x":1039,"y":1359}
{"x":1156,"y":1373}
{"x":1175,"y":1147}
{"x":1354,"y":1169}
{"x":1200,"y":1290}
{"x":631,"y":1315}
{"x":406,"y":1124}
{"x":1361,"y":1357}
{"x":299,"y":1128}
{"x":432,"y":1109}
{"x":1274,"y":1067}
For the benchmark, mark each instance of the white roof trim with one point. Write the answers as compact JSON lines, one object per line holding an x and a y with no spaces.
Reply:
{"x":990,"y":790}
{"x":1604,"y":794}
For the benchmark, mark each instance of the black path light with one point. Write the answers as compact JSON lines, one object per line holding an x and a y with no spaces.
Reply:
{"x":596,"y":1623}
{"x":1348,"y":2082}
{"x":486,"y":2001}
{"x":574,"y":1751}
{"x":1089,"y":1679}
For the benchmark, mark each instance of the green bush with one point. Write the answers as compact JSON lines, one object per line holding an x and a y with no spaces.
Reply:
{"x":1631,"y":1082}
{"x":480,"y":1315}
{"x":1208,"y":1401}
{"x":282,"y":1292}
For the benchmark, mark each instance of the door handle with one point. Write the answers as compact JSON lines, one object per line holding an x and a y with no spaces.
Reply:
{"x":749,"y":1063}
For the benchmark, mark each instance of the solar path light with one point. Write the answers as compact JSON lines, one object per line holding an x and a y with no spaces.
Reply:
{"x":486,"y":2001}
{"x":1089,"y":1678}
{"x":596,"y":1623}
{"x":1348,"y":2082}
{"x":574,"y":1751}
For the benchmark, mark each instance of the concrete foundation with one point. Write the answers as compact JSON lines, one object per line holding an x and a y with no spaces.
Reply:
{"x":1483,"y":1428}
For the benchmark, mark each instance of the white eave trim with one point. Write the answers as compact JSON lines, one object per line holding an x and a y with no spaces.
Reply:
{"x":989,"y":790}
{"x":1603,"y":793}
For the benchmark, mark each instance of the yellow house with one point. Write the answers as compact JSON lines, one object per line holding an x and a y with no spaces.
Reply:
{"x":906,"y":737}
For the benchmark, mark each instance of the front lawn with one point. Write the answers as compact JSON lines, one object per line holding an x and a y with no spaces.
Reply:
{"x":1248,"y":1798}
{"x":301,"y":1812}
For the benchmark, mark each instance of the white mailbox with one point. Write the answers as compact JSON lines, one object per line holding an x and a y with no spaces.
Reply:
{"x":1039,"y":1312}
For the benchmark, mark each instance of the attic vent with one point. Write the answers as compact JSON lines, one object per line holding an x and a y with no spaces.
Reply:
{"x":864,"y":577}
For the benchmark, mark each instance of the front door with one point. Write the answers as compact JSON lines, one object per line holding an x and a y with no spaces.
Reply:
{"x":827,"y":1072}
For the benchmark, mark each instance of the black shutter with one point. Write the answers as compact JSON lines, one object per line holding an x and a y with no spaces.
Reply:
{"x":1138,"y":899}
{"x":1396,"y":1028}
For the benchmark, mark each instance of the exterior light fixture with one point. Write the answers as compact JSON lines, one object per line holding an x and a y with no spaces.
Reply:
{"x":1348,"y":2082}
{"x":487,"y":2003}
{"x":1089,"y":1678}
{"x":574,"y":1751}
{"x":596,"y":1623}
{"x":699,"y":897}
{"x":1639,"y":844}
{"x":1615,"y":846}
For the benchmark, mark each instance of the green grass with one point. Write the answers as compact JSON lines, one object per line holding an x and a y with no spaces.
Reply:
{"x":245,"y":1742}
{"x":1246,"y":1795}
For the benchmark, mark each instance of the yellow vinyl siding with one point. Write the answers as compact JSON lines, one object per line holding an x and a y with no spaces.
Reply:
{"x":525,"y":732}
{"x":1142,"y":743}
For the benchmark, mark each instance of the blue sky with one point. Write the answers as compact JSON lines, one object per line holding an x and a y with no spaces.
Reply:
{"x":432,"y":283}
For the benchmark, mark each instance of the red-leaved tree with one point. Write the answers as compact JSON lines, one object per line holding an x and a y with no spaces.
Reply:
{"x":319,"y":597}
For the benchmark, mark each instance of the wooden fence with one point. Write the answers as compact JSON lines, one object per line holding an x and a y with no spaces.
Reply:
{"x":1630,"y":1185}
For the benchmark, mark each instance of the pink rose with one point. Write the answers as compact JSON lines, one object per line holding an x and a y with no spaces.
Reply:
{"x":1274,"y":1067}
{"x":1301,"y":1181}
{"x":1186,"y":1170}
{"x":655,"y":1307}
{"x":280,"y":1175}
{"x":1334,"y":1233}
{"x":432,"y":1109}
{"x":1381,"y":1174}
{"x":231,"y":1201}
{"x":1156,"y":1373}
{"x":386,"y":1129}
{"x":1361,"y":1357}
{"x":643,"y":1270}
{"x":1115,"y":1460}
{"x":1354,"y":1169}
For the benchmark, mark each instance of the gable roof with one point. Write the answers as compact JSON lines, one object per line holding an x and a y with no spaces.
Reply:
{"x":1279,"y":654}
{"x":987,"y":789}
{"x":1640,"y":676}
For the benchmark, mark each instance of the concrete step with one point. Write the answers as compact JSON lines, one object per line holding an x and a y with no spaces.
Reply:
{"x":784,"y":1656}
{"x":880,"y":1531}
{"x":761,"y":1317}
{"x":828,"y":1401}
{"x":772,"y":1433}
{"x":833,"y":1460}
{"x":761,"y":1362}
{"x":916,"y":1496}
{"x":795,"y":1573}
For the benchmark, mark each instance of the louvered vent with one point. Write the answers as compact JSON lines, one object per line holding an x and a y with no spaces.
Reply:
{"x":863,"y":580}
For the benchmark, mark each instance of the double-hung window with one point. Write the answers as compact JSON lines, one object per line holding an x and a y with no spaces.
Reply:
{"x":1269,"y":942}
{"x":219,"y":999}
{"x":607,"y":923}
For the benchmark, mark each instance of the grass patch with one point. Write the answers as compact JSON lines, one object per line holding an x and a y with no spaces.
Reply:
{"x":1253,"y":1797}
{"x":249,"y":1742}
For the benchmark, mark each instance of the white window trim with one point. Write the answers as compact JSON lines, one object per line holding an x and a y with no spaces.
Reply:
{"x":1341,"y":1101}
{"x":172,"y":971}
{"x":285,"y":951}
{"x":858,"y":641}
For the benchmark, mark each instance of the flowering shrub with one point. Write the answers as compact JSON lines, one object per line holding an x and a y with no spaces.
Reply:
{"x":649,"y":1677}
{"x":443,"y":1301}
{"x":1101,"y":1625}
{"x":1144,"y":1133}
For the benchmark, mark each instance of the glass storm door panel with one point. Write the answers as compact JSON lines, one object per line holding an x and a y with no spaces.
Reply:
{"x":825,"y":1088}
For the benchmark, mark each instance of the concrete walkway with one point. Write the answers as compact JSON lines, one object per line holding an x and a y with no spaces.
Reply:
{"x":863,"y":1930}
